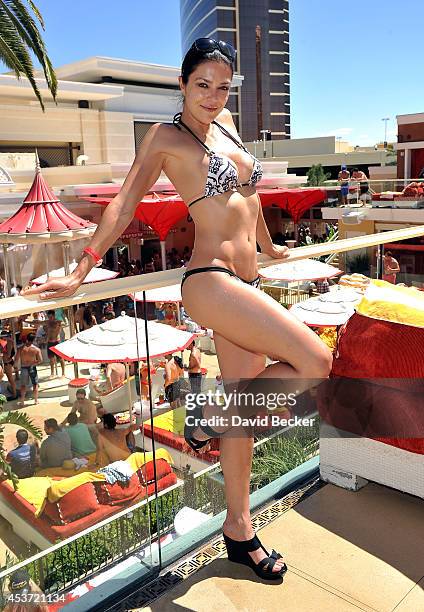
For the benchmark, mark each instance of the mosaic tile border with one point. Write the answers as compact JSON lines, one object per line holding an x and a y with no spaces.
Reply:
{"x":210,"y":551}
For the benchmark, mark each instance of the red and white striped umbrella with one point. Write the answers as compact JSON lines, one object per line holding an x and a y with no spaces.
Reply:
{"x":171,"y":293}
{"x":94,"y":276}
{"x":303,"y":270}
{"x":123,"y":339}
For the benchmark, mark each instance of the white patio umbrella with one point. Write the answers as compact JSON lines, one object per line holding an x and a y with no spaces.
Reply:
{"x":171,"y":293}
{"x":94,"y":276}
{"x":299,"y":271}
{"x":303,"y":270}
{"x":329,"y":309}
{"x":123,"y":339}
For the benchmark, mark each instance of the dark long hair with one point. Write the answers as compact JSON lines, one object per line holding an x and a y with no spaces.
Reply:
{"x":194,"y":58}
{"x":179,"y":362}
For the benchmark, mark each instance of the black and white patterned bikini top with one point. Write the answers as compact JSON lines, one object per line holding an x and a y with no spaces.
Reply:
{"x":222,"y":173}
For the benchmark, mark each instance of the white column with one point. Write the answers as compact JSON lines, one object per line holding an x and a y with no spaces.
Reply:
{"x":163,"y":253}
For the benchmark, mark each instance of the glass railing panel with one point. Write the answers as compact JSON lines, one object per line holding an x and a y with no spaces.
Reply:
{"x":181,"y":491}
{"x":77,"y":493}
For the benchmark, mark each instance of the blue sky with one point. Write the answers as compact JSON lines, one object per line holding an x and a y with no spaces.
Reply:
{"x":351,"y":63}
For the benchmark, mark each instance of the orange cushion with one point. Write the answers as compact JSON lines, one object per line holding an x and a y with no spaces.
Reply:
{"x":79,"y":502}
{"x":111,"y":494}
{"x":146,"y":473}
{"x":51,"y":513}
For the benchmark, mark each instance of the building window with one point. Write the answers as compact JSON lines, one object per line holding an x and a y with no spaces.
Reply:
{"x":227,"y":19}
{"x":50,"y":156}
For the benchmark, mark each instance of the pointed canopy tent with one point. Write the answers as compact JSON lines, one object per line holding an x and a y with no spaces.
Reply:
{"x":295,"y":201}
{"x":159,"y":213}
{"x":43,"y":218}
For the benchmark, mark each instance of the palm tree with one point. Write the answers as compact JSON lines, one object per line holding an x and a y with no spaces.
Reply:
{"x":19,"y":35}
{"x":21,"y":420}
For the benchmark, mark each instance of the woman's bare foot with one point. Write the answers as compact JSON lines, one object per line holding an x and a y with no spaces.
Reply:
{"x":242,"y":530}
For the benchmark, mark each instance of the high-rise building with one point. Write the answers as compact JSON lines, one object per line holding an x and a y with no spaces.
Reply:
{"x":259,"y":30}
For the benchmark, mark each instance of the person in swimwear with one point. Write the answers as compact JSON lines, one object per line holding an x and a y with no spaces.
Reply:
{"x":222,"y":272}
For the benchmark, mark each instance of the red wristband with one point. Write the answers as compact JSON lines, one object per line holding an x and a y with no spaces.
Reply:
{"x":93,"y":254}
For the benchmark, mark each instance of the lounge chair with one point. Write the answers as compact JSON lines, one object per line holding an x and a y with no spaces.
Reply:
{"x":117,"y":400}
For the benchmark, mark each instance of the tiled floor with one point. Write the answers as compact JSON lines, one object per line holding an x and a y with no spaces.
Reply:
{"x":345,"y":551}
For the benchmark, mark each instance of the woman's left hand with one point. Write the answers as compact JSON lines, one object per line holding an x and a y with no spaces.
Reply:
{"x":278,"y":252}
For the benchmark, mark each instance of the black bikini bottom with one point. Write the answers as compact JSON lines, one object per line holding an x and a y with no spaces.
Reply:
{"x":253,"y":283}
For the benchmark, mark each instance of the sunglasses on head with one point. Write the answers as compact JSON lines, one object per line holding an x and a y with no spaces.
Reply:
{"x":207,"y":45}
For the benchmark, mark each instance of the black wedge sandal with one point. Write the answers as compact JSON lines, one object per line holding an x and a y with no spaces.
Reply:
{"x":238,"y":552}
{"x":196,"y":445}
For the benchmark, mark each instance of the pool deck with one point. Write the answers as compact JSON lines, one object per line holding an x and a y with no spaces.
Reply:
{"x":345,"y":551}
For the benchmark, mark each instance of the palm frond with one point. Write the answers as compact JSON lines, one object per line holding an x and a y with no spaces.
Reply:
{"x":37,"y":13}
{"x":27,"y":28}
{"x":7,"y":470}
{"x":9,"y":560}
{"x":21,"y":420}
{"x":9,"y":58}
{"x":19,"y":35}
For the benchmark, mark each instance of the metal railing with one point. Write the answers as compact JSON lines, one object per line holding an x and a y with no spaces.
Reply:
{"x":19,"y":305}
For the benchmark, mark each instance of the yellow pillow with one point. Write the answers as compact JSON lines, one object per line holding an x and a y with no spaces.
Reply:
{"x":59,"y":488}
{"x":137,"y":460}
{"x":34,"y":490}
{"x":172,"y":421}
{"x":389,"y":302}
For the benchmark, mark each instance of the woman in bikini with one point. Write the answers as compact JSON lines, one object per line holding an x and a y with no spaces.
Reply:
{"x":202,"y":155}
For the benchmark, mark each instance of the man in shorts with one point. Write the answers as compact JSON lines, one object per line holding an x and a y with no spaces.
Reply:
{"x":174,"y":371}
{"x":52,"y":328}
{"x":343,"y":178}
{"x":194,"y":368}
{"x":30,"y":356}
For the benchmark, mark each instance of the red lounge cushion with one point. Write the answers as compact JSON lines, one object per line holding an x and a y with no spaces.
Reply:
{"x":363,"y":343}
{"x":169,"y":438}
{"x":78,"y":503}
{"x":146,"y":473}
{"x":51,"y":513}
{"x":163,"y":483}
{"x":118,"y":493}
{"x":413,"y":445}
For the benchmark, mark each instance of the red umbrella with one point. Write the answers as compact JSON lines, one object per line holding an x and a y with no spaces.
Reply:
{"x":294,"y":201}
{"x":159,"y":213}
